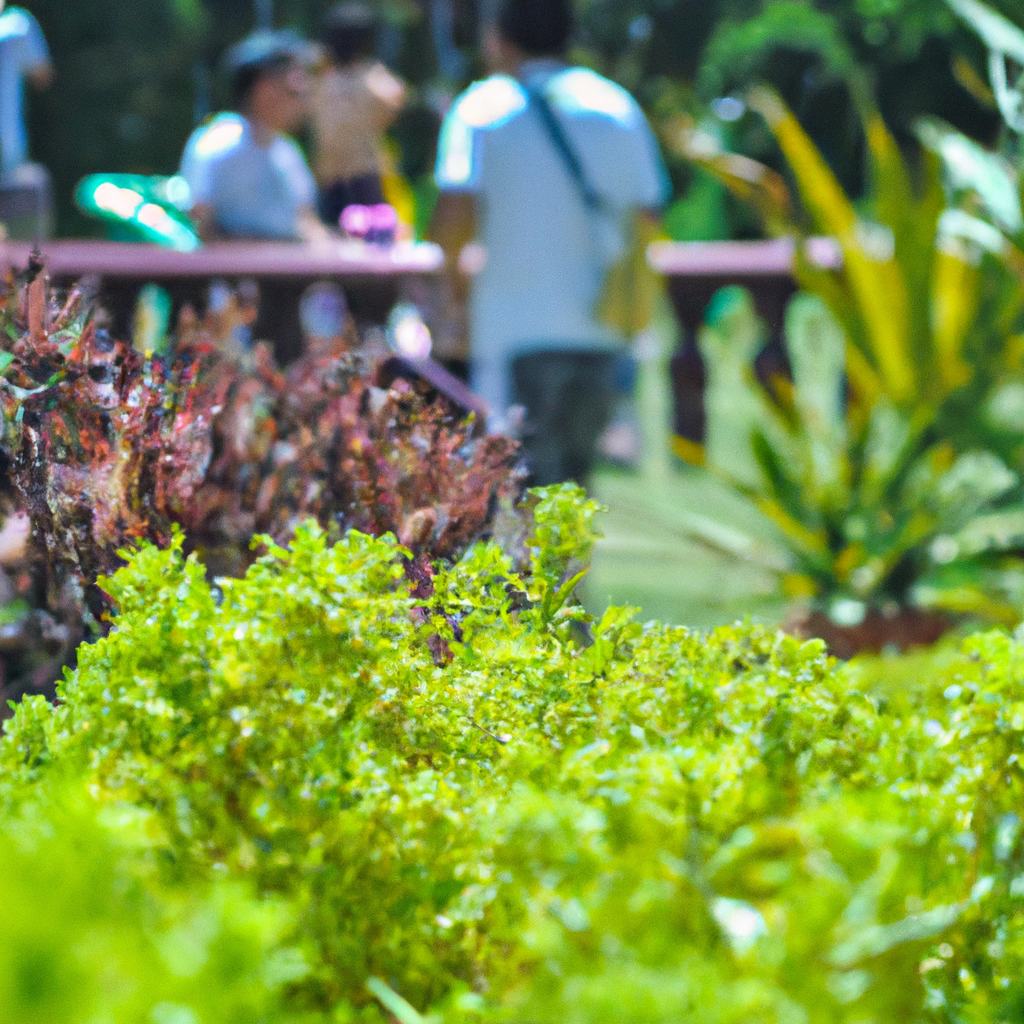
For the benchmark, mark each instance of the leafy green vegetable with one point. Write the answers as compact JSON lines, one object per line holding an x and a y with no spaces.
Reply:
{"x":528,"y":822}
{"x":89,"y":931}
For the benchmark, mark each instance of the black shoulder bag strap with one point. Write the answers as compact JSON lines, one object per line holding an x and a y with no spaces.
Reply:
{"x":591,"y":200}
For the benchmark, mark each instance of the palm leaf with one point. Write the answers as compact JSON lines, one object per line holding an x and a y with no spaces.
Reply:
{"x":808,"y":545}
{"x":728,"y":541}
{"x":955,"y":295}
{"x":998,"y":33}
{"x":890,"y":449}
{"x":996,"y":531}
{"x":895,"y":202}
{"x":834,"y":291}
{"x":783,"y":486}
{"x":966,"y":598}
{"x":972,"y":168}
{"x":973,"y":482}
{"x":914,"y":224}
{"x":876,"y":281}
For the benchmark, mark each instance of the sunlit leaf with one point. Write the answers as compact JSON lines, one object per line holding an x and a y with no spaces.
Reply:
{"x":970,"y":167}
{"x":998,"y":33}
{"x":752,"y":182}
{"x":868,"y":255}
{"x":955,"y":294}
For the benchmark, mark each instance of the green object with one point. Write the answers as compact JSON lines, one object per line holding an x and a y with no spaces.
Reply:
{"x":741,"y":51}
{"x":92,"y":930}
{"x":973,"y":172}
{"x":509,"y":812}
{"x":999,"y":34}
{"x":425,"y":193}
{"x":886,"y":466}
{"x":152,"y":320}
{"x":700,"y":215}
{"x":150,"y":209}
{"x":976,"y":177}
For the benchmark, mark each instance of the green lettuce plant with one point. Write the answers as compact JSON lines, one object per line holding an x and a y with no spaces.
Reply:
{"x":90,"y":932}
{"x":547,"y":817}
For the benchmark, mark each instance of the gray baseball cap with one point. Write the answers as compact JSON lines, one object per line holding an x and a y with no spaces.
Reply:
{"x":266,"y":49}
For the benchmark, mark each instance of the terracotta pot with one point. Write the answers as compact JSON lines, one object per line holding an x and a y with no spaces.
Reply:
{"x":908,"y":628}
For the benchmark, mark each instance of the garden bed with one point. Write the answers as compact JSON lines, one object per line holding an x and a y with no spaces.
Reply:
{"x":481,"y":806}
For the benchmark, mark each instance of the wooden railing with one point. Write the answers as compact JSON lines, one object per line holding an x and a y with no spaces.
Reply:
{"x":695,"y":271}
{"x":371,"y":276}
{"x":374,"y":277}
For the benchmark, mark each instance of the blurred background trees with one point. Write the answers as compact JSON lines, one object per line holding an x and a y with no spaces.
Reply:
{"x":134,"y":78}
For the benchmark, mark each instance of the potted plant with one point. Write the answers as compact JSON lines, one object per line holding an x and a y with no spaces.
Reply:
{"x":896,"y":502}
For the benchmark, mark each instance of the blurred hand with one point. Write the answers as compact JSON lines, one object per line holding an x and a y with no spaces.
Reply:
{"x":14,"y":539}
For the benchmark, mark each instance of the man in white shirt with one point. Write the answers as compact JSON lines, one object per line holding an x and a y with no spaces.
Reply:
{"x":248,"y":178}
{"x":506,"y":180}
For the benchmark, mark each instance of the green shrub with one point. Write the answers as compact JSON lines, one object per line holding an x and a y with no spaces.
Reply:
{"x":501,"y":811}
{"x":89,"y":933}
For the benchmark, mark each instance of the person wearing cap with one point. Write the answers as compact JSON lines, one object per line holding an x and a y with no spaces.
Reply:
{"x":248,"y":177}
{"x":354,"y":101}
{"x":547,"y":166}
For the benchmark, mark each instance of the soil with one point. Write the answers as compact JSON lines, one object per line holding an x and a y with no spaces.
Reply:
{"x":908,"y":628}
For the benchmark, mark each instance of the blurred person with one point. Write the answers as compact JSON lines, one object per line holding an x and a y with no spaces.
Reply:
{"x":248,"y":178}
{"x":26,"y":195}
{"x":355,"y":100}
{"x":545,"y":165}
{"x":23,"y":55}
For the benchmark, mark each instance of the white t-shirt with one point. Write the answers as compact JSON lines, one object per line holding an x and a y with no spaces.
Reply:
{"x":23,"y":50}
{"x":547,"y":255}
{"x":255,"y":191}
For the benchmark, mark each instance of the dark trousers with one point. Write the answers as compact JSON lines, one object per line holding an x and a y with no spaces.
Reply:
{"x":568,"y":398}
{"x":26,"y":203}
{"x":362,"y":191}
